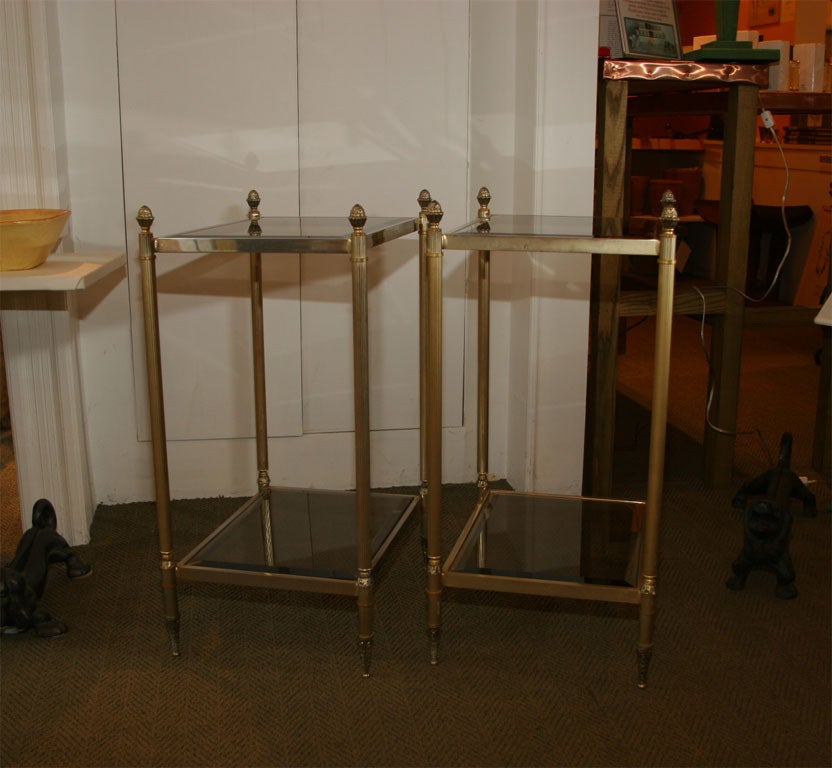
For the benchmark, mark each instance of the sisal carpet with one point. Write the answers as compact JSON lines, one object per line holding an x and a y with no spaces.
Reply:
{"x":273,"y":678}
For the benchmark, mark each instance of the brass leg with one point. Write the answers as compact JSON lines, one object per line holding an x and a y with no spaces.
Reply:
{"x":361,"y":384}
{"x":483,"y":342}
{"x":258,"y":345}
{"x":483,"y":352}
{"x":434,"y":426}
{"x":424,"y":200}
{"x":147,"y":259}
{"x":658,"y":433}
{"x":259,"y":361}
{"x":260,"y":419}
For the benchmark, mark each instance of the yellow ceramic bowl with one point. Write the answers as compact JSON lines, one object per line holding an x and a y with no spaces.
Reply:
{"x":29,"y":235}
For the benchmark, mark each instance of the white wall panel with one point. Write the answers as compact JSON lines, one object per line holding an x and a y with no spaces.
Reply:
{"x":533,"y":83}
{"x":565,"y":165}
{"x":211,"y":108}
{"x":383,"y":109}
{"x":209,"y":111}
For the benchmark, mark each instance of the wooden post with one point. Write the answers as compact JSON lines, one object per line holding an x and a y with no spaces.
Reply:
{"x":610,"y":180}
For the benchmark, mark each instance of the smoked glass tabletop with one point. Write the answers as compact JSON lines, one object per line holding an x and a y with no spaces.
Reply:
{"x":301,"y":532}
{"x":563,"y":234}
{"x":555,"y":538}
{"x":516,"y":224}
{"x":284,"y":234}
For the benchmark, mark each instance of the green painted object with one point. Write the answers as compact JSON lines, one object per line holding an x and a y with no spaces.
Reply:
{"x":726,"y":47}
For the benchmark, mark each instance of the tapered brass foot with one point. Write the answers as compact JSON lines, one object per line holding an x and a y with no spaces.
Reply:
{"x":365,"y":647}
{"x":643,"y":658}
{"x":433,"y":638}
{"x":173,"y":635}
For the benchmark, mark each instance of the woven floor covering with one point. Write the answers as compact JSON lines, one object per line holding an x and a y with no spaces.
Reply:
{"x":270,"y":678}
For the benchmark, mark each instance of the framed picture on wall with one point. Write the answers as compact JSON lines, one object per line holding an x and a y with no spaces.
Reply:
{"x":649,"y":29}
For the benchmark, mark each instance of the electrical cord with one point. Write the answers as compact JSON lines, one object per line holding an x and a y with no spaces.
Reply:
{"x":768,"y":122}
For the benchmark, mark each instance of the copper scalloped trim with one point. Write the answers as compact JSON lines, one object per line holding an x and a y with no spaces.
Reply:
{"x":685,"y":71}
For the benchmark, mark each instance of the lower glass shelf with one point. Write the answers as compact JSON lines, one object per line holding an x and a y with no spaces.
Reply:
{"x":569,"y":546}
{"x":292,"y":538}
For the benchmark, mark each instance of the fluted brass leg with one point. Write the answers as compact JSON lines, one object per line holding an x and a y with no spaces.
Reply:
{"x":483,"y":355}
{"x":361,"y":399}
{"x":658,"y":433}
{"x":147,"y":260}
{"x":483,"y":343}
{"x":424,"y":201}
{"x":434,"y":426}
{"x":258,"y":348}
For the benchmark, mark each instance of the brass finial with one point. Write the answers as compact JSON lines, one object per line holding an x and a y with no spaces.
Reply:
{"x":253,"y":200}
{"x":670,"y":218}
{"x":145,"y":219}
{"x":434,"y":213}
{"x":424,"y":199}
{"x":483,"y":198}
{"x":358,"y":217}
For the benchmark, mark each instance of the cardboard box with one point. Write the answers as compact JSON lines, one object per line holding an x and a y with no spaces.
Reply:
{"x":810,"y":56}
{"x":778,"y":74}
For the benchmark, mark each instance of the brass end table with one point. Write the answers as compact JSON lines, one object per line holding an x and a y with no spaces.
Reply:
{"x":281,"y":538}
{"x":535,"y":543}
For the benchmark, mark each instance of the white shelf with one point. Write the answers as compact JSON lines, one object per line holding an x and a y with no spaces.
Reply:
{"x":39,"y":319}
{"x":63,"y":272}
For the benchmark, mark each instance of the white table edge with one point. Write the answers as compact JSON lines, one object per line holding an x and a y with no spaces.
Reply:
{"x":64,"y":272}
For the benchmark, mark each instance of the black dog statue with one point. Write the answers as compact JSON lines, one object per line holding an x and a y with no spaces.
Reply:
{"x":768,"y":523}
{"x":24,"y":579}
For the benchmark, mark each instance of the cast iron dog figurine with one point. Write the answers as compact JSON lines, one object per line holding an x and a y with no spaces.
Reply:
{"x":24,"y":579}
{"x":768,"y":523}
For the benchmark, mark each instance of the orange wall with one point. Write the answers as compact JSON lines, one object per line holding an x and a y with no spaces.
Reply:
{"x":781,"y":30}
{"x":696,"y":17}
{"x":811,"y":17}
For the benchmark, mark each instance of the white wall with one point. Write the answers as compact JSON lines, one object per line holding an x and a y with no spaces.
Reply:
{"x":391,"y":97}
{"x":533,"y":126}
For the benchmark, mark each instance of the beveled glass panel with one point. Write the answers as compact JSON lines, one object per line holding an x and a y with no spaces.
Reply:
{"x":555,"y":234}
{"x":300,"y":532}
{"x":553,"y":226}
{"x":296,"y":226}
{"x":284,"y":234}
{"x":558,"y":538}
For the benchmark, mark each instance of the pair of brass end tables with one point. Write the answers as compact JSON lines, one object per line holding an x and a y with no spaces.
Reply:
{"x":331,"y":541}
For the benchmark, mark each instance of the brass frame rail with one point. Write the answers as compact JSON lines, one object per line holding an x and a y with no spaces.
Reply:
{"x":482,"y":237}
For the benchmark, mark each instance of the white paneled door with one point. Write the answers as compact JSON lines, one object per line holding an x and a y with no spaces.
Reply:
{"x":209,"y":111}
{"x":318,"y":105}
{"x":383,"y":105}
